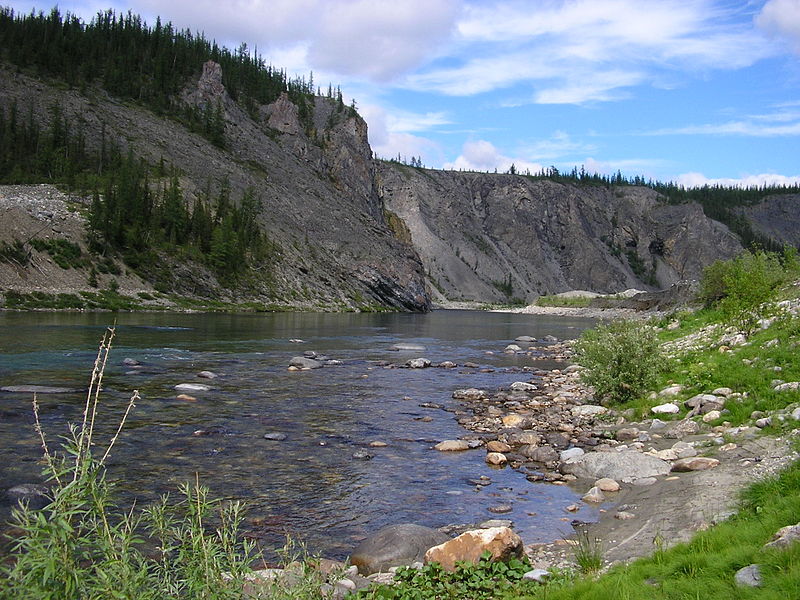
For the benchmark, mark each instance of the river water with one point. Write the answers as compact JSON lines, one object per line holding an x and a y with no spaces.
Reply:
{"x":308,"y":485}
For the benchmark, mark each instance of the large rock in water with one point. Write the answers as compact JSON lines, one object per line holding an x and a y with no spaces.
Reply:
{"x":395,"y":546}
{"x":301,"y":362}
{"x":501,"y":542}
{"x":624,"y":466}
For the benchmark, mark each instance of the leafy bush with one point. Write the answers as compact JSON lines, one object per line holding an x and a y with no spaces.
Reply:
{"x":740,"y":287}
{"x":486,"y":579}
{"x":622,"y":359}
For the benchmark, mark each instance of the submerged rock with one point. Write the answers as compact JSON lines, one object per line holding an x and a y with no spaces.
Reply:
{"x":192,"y":387}
{"x":303,"y":362}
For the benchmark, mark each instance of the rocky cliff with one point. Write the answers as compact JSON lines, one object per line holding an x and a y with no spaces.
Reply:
{"x":320,"y":207}
{"x":492,"y":237}
{"x":350,"y":232}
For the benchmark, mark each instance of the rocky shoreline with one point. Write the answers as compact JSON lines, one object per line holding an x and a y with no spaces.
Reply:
{"x":657,"y":480}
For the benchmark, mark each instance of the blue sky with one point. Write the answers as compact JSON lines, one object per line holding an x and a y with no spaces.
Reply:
{"x":692,"y":91}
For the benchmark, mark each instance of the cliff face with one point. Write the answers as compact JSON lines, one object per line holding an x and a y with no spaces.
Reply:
{"x":493,"y":237}
{"x":353,"y":233}
{"x":319,"y":205}
{"x":776,"y":217}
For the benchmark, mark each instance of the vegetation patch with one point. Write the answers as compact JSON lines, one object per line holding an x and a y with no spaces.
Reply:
{"x":564,"y":301}
{"x":66,"y":254}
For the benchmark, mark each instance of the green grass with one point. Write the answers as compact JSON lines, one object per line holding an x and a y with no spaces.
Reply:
{"x":563,"y":302}
{"x":705,"y":567}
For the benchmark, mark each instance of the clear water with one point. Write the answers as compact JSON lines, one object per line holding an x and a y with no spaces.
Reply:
{"x":309,"y":485}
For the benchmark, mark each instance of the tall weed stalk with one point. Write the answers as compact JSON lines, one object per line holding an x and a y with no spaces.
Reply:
{"x":83,"y":546}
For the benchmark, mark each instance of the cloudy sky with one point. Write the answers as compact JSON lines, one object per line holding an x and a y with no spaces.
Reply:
{"x":683,"y":90}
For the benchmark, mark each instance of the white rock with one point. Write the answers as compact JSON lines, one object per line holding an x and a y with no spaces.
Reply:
{"x":666,"y":409}
{"x":670,"y":391}
{"x":538,"y":575}
{"x":571,"y":454}
{"x":522,"y":386}
{"x":606,"y":484}
{"x":588,"y":410}
{"x":722,"y":391}
{"x":192,"y":387}
{"x":452,"y":446}
{"x":712,"y":415}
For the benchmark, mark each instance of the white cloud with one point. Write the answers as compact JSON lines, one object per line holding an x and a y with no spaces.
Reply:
{"x":480,"y":155}
{"x":756,"y":126}
{"x":371,"y":39}
{"x":391,"y":134}
{"x":781,"y":18}
{"x":699,"y":180}
{"x":589,"y":50}
{"x":558,"y":145}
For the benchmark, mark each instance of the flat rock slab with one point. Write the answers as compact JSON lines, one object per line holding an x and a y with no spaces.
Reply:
{"x":626,"y":465}
{"x":38,"y":389}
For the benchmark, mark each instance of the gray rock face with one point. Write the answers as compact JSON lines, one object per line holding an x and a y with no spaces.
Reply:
{"x":471,"y":228}
{"x":394,"y":546}
{"x":622,"y":466}
{"x":776,"y":217}
{"x":350,"y":257}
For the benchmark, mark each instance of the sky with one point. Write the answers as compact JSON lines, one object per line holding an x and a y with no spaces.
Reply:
{"x":690,"y":91}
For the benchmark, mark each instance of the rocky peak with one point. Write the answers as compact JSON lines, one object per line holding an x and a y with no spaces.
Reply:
{"x":283,"y":116}
{"x":210,"y":84}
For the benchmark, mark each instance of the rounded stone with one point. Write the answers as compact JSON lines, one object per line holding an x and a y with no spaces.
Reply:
{"x":394,"y":546}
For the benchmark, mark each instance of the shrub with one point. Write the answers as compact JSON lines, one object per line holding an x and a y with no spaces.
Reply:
{"x":622,"y":359}
{"x":742,"y":287}
{"x":484,"y":580}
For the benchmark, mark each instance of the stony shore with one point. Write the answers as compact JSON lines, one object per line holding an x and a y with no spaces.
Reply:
{"x":656,"y":480}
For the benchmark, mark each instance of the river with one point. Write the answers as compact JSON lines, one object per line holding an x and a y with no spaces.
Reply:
{"x":308,"y":485}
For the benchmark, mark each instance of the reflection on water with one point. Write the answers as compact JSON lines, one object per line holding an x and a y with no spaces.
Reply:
{"x":308,"y":484}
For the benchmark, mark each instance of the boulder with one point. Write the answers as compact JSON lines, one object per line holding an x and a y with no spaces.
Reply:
{"x":470,"y":394}
{"x":525,"y":338}
{"x":418,"y":363}
{"x":604,"y":484}
{"x":542,"y":454}
{"x":303,"y":362}
{"x":207,"y":375}
{"x":452,"y":446}
{"x":749,"y":576}
{"x":395,"y":546}
{"x":682,"y":429}
{"x":522,"y":386}
{"x":570,"y":454}
{"x":496,"y":458}
{"x":627,"y":465}
{"x":501,"y":543}
{"x":498,"y":446}
{"x":666,"y":409}
{"x":784,"y":537}
{"x":588,"y":410}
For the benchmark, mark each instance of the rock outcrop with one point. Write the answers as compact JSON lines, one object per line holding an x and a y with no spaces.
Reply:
{"x":490,"y":237}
